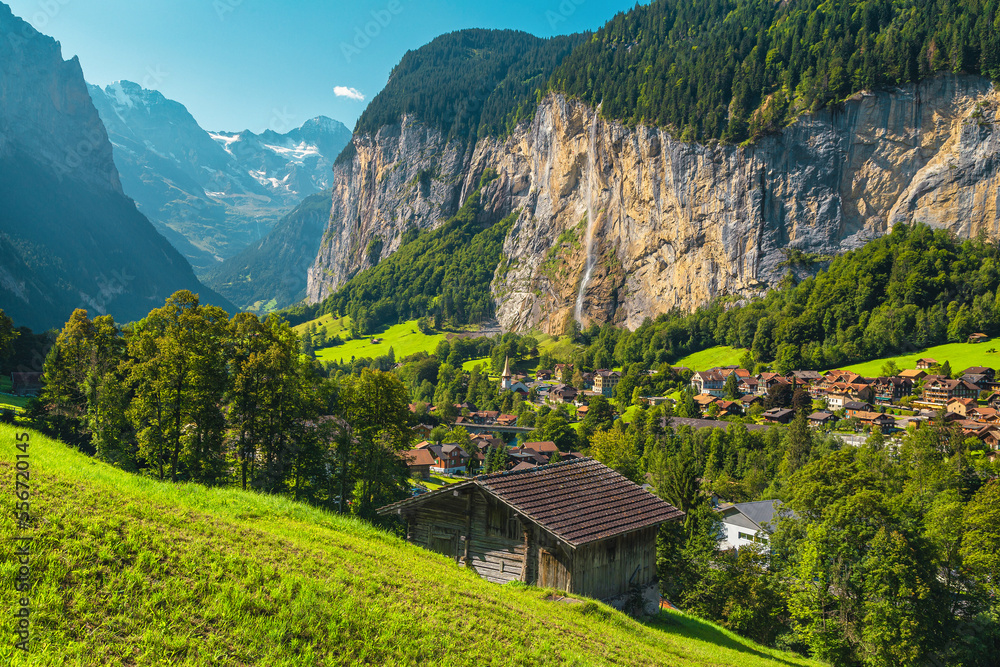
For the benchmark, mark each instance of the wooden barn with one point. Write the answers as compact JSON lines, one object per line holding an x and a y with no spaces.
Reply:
{"x":576,"y":526}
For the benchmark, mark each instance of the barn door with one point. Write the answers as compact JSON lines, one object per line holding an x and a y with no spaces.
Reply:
{"x":552,"y":570}
{"x":444,"y":543}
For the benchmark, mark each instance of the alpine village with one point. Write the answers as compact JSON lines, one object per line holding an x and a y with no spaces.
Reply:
{"x":670,"y":340}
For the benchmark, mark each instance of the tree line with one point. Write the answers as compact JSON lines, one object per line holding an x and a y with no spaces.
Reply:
{"x":732,"y":70}
{"x":913,"y":288}
{"x":189,"y":394}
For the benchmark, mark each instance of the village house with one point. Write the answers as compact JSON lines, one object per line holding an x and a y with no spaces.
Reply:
{"x":564,"y":393}
{"x":507,"y":420}
{"x":888,"y":390}
{"x":704,"y":401}
{"x":960,"y":406}
{"x":729,"y":408}
{"x":978,"y":338}
{"x":926,"y":363}
{"x":744,"y":524}
{"x":778,"y":416}
{"x":576,"y":526}
{"x":545,"y":448}
{"x":885,"y":423}
{"x":605,"y":382}
{"x":986,"y":371}
{"x":913,"y":374}
{"x":747,"y":385}
{"x":837,"y":401}
{"x":419,"y":462}
{"x":807,"y":377}
{"x":982,"y":382}
{"x":821,"y":418}
{"x":709,"y":382}
{"x":940,"y":391}
{"x":749,"y":400}
{"x":852,"y":408}
{"x":448,"y":458}
{"x":983,"y":415}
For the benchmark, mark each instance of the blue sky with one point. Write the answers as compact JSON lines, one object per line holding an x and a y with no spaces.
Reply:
{"x":254,"y":64}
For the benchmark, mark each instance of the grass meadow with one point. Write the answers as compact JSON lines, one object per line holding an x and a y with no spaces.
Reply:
{"x":127,"y":570}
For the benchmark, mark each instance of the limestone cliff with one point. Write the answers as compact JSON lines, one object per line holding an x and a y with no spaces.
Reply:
{"x":674,"y":224}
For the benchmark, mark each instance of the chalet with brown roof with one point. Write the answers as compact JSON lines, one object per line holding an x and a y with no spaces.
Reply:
{"x":852,"y":408}
{"x":546,"y":447}
{"x":990,"y":435}
{"x":889,"y":390}
{"x":980,"y":370}
{"x":703,"y":401}
{"x":926,"y":363}
{"x":507,"y":420}
{"x":576,"y":526}
{"x":983,"y":415}
{"x":778,"y":416}
{"x":978,"y":338}
{"x":885,"y":422}
{"x":748,"y":400}
{"x":961,"y":406}
{"x":748,"y":385}
{"x":939,"y":392}
{"x":419,"y":462}
{"x":807,"y":377}
{"x":821,"y":418}
{"x":729,"y":408}
{"x":913,"y":374}
{"x":982,"y":382}
{"x":564,"y":393}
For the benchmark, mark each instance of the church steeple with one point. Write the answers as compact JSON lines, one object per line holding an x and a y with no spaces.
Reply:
{"x":505,"y":379}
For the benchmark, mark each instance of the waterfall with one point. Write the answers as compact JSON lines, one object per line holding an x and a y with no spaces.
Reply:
{"x":591,"y":222}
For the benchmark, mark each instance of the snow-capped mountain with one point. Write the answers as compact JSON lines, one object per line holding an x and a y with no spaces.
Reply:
{"x":212,"y":193}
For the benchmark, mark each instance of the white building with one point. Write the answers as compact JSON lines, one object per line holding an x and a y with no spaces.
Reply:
{"x":747,"y":523}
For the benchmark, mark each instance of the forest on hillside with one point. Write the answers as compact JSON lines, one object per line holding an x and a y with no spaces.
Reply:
{"x":732,"y":70}
{"x":468,"y":83}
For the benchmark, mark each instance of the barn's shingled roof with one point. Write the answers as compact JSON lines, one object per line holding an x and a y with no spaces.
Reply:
{"x":579,"y":501}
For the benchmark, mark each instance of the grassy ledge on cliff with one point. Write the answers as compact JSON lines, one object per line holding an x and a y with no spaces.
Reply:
{"x":131,"y":571}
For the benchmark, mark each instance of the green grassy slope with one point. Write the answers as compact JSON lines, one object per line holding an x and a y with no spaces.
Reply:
{"x":959,"y":355}
{"x":404,"y":339}
{"x":720,"y":355}
{"x":130,"y":571}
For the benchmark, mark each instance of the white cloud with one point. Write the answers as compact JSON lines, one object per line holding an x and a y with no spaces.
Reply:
{"x":351,"y":93}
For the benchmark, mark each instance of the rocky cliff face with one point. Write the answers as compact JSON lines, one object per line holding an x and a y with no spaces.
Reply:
{"x":674,"y":224}
{"x":69,"y":237}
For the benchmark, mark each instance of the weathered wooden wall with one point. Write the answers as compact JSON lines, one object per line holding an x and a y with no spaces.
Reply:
{"x":499,"y":548}
{"x":610,"y":567}
{"x":477,"y":530}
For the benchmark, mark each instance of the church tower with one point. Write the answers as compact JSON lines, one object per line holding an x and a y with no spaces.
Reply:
{"x":505,"y":380}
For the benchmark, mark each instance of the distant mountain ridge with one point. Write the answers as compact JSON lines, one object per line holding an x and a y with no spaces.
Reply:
{"x":270,"y":274}
{"x":69,"y":236}
{"x":212,"y":193}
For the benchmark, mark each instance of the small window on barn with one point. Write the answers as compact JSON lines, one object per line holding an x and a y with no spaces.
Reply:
{"x":499,"y":523}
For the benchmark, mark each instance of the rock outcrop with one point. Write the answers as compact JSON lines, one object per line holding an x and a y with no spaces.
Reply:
{"x":69,"y":237}
{"x":675,"y":224}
